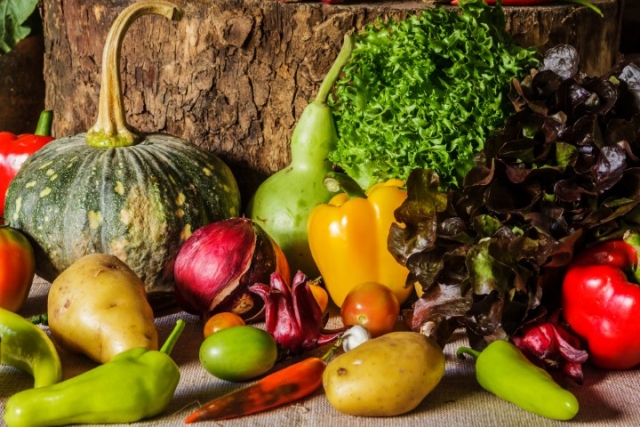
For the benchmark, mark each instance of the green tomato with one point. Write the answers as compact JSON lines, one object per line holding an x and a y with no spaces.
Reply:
{"x":238,"y":353}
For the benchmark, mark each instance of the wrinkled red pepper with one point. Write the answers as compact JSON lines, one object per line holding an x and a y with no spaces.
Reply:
{"x":14,"y":150}
{"x":601,"y":302}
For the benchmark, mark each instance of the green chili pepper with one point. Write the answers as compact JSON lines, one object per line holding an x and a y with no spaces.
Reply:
{"x":503,"y":370}
{"x":25,"y":346}
{"x":136,"y":384}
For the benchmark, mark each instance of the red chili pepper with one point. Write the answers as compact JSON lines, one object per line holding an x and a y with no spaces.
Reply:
{"x":601,"y":302}
{"x":284,"y":386}
{"x":14,"y":150}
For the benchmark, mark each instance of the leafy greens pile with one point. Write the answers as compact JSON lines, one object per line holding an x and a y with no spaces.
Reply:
{"x":564,"y":173}
{"x":425,"y":91}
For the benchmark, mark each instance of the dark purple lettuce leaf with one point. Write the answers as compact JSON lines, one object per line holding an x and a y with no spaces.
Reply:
{"x":631,"y":76}
{"x":563,"y":173}
{"x":563,"y":60}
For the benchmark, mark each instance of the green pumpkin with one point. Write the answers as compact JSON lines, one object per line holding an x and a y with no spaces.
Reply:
{"x":113,"y":191}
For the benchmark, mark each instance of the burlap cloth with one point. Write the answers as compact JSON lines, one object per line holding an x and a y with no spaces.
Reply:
{"x":606,"y":398}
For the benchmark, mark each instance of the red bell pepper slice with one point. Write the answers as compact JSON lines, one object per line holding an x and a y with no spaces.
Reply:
{"x":601,"y":302}
{"x":14,"y":150}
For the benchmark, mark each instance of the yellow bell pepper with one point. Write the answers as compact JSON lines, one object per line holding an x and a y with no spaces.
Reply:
{"x":348,"y":239}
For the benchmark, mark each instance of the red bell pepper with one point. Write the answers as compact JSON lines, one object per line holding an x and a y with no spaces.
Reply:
{"x":14,"y":150}
{"x":601,"y":302}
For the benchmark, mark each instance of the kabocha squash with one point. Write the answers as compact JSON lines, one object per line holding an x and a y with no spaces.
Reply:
{"x":114,"y":191}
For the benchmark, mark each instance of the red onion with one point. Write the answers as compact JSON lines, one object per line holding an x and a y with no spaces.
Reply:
{"x":217,"y":264}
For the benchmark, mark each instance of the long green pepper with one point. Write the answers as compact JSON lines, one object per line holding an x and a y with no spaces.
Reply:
{"x":136,"y":384}
{"x":26,"y":347}
{"x":503,"y":370}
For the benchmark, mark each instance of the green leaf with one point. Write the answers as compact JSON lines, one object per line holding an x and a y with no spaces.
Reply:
{"x":424,"y":92}
{"x":14,"y":22}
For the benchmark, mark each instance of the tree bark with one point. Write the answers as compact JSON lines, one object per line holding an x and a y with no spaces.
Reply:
{"x":233,"y":76}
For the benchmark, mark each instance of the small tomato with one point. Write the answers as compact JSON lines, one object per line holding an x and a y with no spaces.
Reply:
{"x":238,"y":353}
{"x":17,"y":268}
{"x":371,"y":305}
{"x":221,"y":321}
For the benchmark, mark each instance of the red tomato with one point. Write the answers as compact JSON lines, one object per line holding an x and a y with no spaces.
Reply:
{"x":17,"y":268}
{"x":373,"y":306}
{"x":221,"y":321}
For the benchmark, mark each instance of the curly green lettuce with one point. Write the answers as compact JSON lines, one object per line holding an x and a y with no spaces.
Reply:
{"x":424,"y":92}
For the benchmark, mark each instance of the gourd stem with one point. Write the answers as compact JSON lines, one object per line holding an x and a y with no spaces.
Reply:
{"x":336,"y":181}
{"x":111,"y":129}
{"x":336,"y":68}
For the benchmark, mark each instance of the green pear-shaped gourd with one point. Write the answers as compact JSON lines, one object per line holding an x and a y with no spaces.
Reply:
{"x":282,"y":203}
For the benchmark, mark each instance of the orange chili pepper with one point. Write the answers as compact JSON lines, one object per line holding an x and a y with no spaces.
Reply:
{"x":284,"y":386}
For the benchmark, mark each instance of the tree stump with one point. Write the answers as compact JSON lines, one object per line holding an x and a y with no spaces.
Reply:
{"x":233,"y":76}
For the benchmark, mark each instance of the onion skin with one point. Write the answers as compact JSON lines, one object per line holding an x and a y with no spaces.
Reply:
{"x":217,"y":264}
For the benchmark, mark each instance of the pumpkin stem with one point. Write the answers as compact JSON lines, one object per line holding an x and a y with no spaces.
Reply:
{"x":111,"y":129}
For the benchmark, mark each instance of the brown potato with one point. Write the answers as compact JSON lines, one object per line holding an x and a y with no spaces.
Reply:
{"x":386,"y":376}
{"x":98,"y":307}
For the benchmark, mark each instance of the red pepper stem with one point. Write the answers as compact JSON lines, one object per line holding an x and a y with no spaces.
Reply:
{"x":337,"y":181}
{"x":171,"y":341}
{"x":632,"y":238}
{"x":43,"y":127}
{"x":467,"y":350}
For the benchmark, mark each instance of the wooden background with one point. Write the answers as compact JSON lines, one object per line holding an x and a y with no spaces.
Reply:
{"x":233,"y":76}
